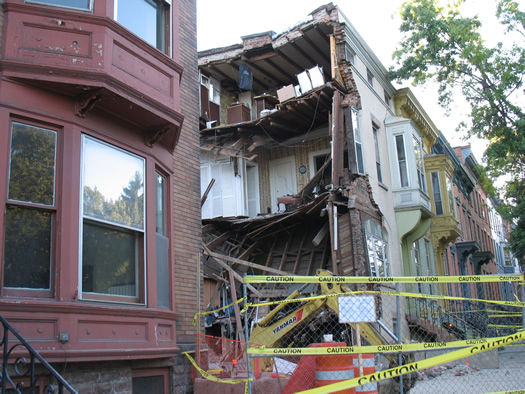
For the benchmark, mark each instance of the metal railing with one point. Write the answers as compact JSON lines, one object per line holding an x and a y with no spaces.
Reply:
{"x":21,"y":370}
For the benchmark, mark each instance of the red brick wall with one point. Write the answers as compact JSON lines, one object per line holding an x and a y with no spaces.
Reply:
{"x":186,"y":188}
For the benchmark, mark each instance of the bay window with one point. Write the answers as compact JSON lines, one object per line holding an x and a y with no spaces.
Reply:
{"x":113,"y":225}
{"x":148,"y":19}
{"x":30,"y":210}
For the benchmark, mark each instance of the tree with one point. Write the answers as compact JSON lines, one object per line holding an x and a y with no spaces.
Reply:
{"x":440,"y":44}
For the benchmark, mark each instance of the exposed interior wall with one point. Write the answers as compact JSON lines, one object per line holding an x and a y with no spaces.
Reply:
{"x":301,"y":159}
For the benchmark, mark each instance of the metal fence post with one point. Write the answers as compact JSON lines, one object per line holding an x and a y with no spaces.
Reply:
{"x":247,"y":337}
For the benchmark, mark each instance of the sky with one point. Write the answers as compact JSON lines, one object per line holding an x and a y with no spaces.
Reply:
{"x":223,"y":23}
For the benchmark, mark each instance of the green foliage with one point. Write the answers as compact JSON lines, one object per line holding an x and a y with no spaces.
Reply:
{"x":440,"y":44}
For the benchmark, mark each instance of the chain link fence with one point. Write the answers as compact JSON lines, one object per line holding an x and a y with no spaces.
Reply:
{"x":412,"y":337}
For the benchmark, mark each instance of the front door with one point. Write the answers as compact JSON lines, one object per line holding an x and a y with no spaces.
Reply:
{"x":282,"y":179}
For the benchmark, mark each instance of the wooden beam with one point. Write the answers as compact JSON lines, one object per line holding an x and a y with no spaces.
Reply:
{"x":219,"y":240}
{"x":247,"y":263}
{"x":205,"y":195}
{"x":233,"y":291}
{"x":285,"y":253}
{"x":235,"y":274}
{"x":320,"y":235}
{"x":258,"y":142}
{"x":299,"y":254}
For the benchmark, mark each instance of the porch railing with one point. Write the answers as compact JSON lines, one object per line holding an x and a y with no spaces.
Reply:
{"x":23,"y":367}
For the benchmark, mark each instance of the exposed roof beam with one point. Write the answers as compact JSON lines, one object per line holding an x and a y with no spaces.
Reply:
{"x":303,"y":53}
{"x":292,"y":62}
{"x":264,"y":72}
{"x":317,"y":49}
{"x":291,"y":77}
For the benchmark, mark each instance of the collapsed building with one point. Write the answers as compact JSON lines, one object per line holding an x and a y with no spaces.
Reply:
{"x":311,"y":160}
{"x":287,"y":122}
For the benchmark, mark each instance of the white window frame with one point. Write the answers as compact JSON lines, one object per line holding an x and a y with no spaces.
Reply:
{"x":379,"y":167}
{"x":404,"y":161}
{"x":374,"y":234}
{"x":420,"y":166}
{"x":358,"y":144}
{"x":140,"y":297}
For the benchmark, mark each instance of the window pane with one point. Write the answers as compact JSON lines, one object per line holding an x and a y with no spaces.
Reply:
{"x":140,"y":17}
{"x":419,"y":164}
{"x":32,"y":167}
{"x":400,"y":147}
{"x":113,"y":184}
{"x":160,"y":204}
{"x":436,"y":190}
{"x":27,"y":248}
{"x":110,"y":258}
{"x":359,"y":158}
{"x":378,"y":156}
{"x":450,"y":193}
{"x":80,"y":4}
{"x":162,"y":244}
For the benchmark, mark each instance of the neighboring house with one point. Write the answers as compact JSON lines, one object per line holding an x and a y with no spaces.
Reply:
{"x":310,"y":159}
{"x":505,"y":261}
{"x":473,"y":252}
{"x":99,"y":187}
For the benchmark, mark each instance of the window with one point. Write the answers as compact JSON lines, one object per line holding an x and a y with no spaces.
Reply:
{"x":436,"y":192}
{"x":85,"y":5}
{"x":358,"y":143}
{"x":506,"y":254}
{"x":349,"y":55}
{"x":417,"y":262}
{"x":163,"y":269}
{"x":378,"y":155}
{"x":30,"y":210}
{"x":146,"y":381}
{"x":450,"y":193}
{"x":377,"y":247}
{"x":369,"y":77}
{"x":419,"y":164}
{"x":402,"y":160}
{"x":148,"y":19}
{"x":387,"y":99}
{"x":112,"y":223}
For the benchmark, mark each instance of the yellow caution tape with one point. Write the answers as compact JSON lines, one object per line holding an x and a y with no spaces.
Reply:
{"x":303,"y":299}
{"x":406,"y":347}
{"x":510,"y":392}
{"x":395,"y":293}
{"x":441,"y":297}
{"x":506,"y":315}
{"x":216,"y":310}
{"x":383,"y":279}
{"x":505,"y":325}
{"x":208,"y":376}
{"x":419,"y":365}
